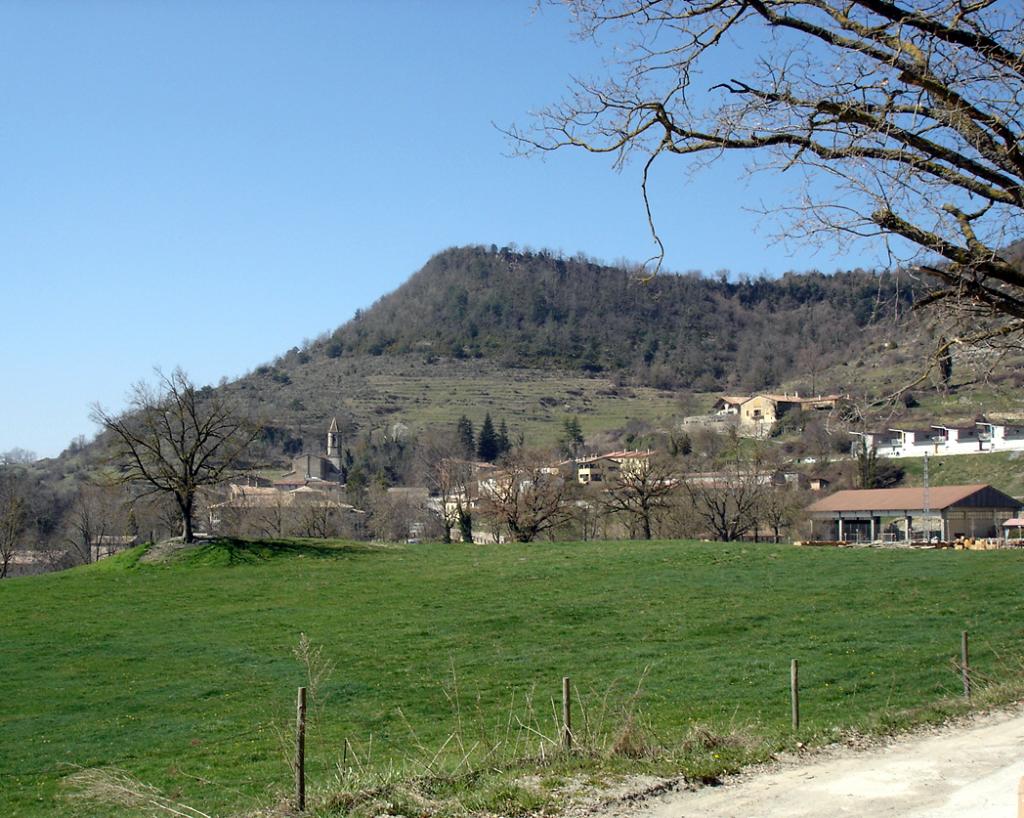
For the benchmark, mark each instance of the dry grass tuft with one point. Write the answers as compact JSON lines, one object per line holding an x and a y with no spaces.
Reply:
{"x":633,"y":739}
{"x":120,"y":788}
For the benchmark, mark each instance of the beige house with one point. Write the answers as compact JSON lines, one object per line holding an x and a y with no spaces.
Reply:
{"x":757,"y":414}
{"x":606,"y":467}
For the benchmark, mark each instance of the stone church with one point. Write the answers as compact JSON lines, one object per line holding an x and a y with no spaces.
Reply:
{"x":312,"y":468}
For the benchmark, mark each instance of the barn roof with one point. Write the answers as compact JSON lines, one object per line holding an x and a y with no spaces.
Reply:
{"x":979,"y":495}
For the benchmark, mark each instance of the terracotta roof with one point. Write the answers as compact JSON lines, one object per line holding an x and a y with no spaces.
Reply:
{"x":1015,"y":521}
{"x":735,"y":398}
{"x":910,"y":499}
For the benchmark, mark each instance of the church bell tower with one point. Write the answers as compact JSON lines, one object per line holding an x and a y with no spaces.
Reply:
{"x":334,"y":444}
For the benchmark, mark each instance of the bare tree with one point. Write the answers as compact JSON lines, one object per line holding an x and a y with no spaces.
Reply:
{"x":270,"y":519}
{"x":13,"y":516}
{"x":174,"y":439}
{"x":449,"y":476}
{"x":903,"y":119}
{"x":394,"y":515}
{"x":318,"y":518}
{"x":782,"y":509}
{"x":728,"y":498}
{"x":527,"y":496}
{"x":97,"y":512}
{"x":17,"y":457}
{"x":642,"y":489}
{"x":586,"y":511}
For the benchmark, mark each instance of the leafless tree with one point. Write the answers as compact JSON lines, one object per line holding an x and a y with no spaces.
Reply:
{"x":727,"y":494}
{"x":13,"y":515}
{"x":450,"y":477}
{"x":174,"y":439}
{"x":318,"y":518}
{"x":528,"y":496}
{"x":641,"y":489}
{"x":271,"y":519}
{"x":782,"y":509}
{"x":900,"y":119}
{"x":586,"y":511}
{"x":393,"y":516}
{"x":98,"y":511}
{"x":17,"y":457}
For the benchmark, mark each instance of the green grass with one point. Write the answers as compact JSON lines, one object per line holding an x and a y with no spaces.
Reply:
{"x":183,"y":674}
{"x":1004,"y":470}
{"x":375,"y":392}
{"x":532,"y":402}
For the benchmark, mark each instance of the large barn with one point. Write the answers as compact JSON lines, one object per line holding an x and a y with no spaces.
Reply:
{"x":946,"y":512}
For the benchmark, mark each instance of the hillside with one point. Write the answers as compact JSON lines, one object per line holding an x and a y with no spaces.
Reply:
{"x":671,"y":331}
{"x":534,"y":337}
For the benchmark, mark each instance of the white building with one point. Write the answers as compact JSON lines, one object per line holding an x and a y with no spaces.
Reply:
{"x":945,"y":440}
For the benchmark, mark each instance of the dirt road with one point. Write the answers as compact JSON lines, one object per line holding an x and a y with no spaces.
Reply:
{"x":968,"y":771}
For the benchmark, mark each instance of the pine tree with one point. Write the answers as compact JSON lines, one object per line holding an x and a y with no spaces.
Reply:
{"x":867,"y":462}
{"x":572,"y":436}
{"x":504,"y":444}
{"x":464,"y":430}
{"x":487,"y":442}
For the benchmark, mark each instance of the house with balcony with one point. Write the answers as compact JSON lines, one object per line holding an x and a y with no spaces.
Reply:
{"x":941,"y":440}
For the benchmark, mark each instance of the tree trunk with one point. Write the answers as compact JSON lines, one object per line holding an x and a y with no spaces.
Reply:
{"x":465,"y":524}
{"x":647,"y":526}
{"x":185,"y":504}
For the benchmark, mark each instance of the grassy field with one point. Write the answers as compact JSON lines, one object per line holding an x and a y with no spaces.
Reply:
{"x":1004,"y":470}
{"x":184,"y":674}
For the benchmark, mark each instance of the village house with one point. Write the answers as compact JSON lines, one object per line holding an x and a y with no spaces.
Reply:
{"x":605,"y":468}
{"x":757,"y":414}
{"x":936,"y":440}
{"x":255,"y":497}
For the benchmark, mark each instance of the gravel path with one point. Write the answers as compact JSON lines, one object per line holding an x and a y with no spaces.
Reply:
{"x":965,"y":771}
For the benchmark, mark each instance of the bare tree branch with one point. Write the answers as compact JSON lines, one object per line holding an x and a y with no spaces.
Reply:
{"x":913,"y":110}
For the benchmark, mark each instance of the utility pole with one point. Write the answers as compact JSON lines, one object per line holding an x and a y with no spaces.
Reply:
{"x":926,"y":503}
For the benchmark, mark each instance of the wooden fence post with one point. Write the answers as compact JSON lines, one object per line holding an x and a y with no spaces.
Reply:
{"x":300,"y":751}
{"x":794,"y":693}
{"x":965,"y":666}
{"x":566,"y":715}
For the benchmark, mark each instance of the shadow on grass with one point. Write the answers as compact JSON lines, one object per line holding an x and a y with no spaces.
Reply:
{"x":229,"y":551}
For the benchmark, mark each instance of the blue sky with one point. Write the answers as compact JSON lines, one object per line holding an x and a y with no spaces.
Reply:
{"x":208,"y":184}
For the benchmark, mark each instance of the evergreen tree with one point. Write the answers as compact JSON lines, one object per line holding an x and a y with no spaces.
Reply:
{"x":867,"y":462}
{"x":572,"y":436}
{"x":504,"y":444}
{"x":464,"y":430}
{"x":487,"y":442}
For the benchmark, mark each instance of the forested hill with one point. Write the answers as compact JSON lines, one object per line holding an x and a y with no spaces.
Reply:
{"x":670,"y":331}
